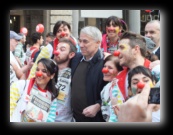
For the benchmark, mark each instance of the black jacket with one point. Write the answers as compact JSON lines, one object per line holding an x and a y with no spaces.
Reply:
{"x":94,"y":80}
{"x":158,"y":53}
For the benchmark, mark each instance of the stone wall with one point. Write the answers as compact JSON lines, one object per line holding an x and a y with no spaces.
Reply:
{"x":56,"y":15}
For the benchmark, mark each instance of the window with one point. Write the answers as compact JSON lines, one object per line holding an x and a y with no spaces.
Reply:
{"x":146,"y":17}
{"x":15,"y":23}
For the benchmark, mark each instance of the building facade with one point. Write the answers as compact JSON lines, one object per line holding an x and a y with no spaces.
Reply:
{"x":135,"y":19}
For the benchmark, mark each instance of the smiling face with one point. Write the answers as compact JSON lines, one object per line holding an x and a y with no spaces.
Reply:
{"x":126,"y":56}
{"x":139,"y":78}
{"x":63,"y":31}
{"x":42,"y":80}
{"x":112,"y":30}
{"x":111,"y":68}
{"x":112,"y":71}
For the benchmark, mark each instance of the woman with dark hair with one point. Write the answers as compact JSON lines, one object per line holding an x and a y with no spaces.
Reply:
{"x":30,"y":100}
{"x":132,"y":81}
{"x":114,"y":28}
{"x":137,"y":77}
{"x":110,"y":92}
{"x":63,"y":29}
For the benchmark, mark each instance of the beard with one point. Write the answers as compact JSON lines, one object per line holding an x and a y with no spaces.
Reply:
{"x":60,"y":61}
{"x":126,"y":61}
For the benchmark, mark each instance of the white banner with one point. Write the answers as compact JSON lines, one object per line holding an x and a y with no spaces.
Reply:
{"x":101,"y":13}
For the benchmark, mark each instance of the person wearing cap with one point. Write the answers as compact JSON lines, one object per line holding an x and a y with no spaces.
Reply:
{"x":19,"y":52}
{"x":20,"y":72}
{"x":14,"y":74}
{"x":14,"y":39}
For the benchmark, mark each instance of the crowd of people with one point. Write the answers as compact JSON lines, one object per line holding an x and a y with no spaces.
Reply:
{"x":93,"y":79}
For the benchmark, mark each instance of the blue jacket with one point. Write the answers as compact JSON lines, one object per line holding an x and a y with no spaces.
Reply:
{"x":94,"y":80}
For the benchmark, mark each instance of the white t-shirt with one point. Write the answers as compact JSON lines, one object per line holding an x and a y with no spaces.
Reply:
{"x":13,"y":59}
{"x":13,"y":77}
{"x":26,"y":103}
{"x":156,"y":116}
{"x":63,"y":110}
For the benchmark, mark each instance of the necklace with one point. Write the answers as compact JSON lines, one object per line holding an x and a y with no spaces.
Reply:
{"x":112,"y":46}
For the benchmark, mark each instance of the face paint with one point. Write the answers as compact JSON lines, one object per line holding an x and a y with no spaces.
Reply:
{"x":117,"y":30}
{"x":116,"y":53}
{"x":125,"y":47}
{"x":134,"y":90}
{"x":151,"y":85}
{"x":110,"y":29}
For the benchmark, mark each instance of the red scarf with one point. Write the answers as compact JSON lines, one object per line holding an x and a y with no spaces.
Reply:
{"x":122,"y":78}
{"x":55,"y":43}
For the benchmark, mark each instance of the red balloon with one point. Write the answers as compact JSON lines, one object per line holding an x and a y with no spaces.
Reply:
{"x":148,"y":11}
{"x":39,"y":74}
{"x":40,"y":28}
{"x":24,"y":31}
{"x":116,"y":53}
{"x":105,"y":70}
{"x":56,"y":52}
{"x":140,"y":85}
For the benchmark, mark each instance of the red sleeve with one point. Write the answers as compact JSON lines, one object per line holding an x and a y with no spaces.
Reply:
{"x":33,"y":54}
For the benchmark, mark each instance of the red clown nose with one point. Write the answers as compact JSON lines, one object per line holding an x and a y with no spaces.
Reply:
{"x":39,"y":74}
{"x":140,"y":85}
{"x":110,"y":29}
{"x":40,"y":28}
{"x":116,"y":53}
{"x":105,"y":70}
{"x":62,"y":34}
{"x":56,"y":52}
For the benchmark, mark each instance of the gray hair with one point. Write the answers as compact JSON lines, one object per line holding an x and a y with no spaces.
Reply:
{"x":156,"y":22}
{"x":93,"y":32}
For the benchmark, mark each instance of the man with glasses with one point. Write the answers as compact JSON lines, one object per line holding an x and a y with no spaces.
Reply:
{"x":87,"y":77}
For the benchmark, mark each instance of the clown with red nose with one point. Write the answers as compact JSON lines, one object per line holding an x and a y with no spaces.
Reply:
{"x":110,"y":95}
